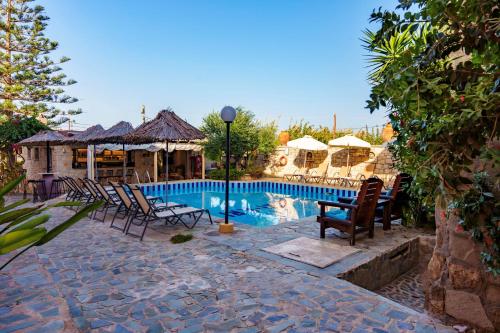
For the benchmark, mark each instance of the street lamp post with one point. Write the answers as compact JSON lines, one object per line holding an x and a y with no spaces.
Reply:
{"x":227,"y":114}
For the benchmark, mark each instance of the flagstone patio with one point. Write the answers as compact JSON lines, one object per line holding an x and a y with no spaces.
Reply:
{"x":94,"y":279}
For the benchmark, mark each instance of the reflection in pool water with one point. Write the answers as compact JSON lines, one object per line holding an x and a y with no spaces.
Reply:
{"x":257,"y":209}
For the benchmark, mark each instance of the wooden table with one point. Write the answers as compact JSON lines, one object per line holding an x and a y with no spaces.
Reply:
{"x":385,"y":204}
{"x":48,"y":178}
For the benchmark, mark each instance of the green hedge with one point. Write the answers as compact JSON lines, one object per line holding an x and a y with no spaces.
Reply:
{"x":220,"y":174}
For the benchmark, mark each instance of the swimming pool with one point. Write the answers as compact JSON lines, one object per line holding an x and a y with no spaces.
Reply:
{"x":256,"y":203}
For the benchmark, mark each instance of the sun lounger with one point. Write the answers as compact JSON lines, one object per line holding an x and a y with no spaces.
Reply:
{"x":339,"y":176}
{"x":295,"y":176}
{"x":313,"y":176}
{"x":110,"y":199}
{"x":126,"y":206}
{"x":365,"y":174}
{"x":146,"y":212}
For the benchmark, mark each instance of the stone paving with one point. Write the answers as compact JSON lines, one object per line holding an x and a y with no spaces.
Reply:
{"x":406,"y":290}
{"x":94,"y":279}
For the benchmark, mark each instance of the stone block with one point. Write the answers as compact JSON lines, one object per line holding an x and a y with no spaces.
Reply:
{"x":435,"y":299}
{"x":435,"y":266}
{"x":493,"y":295}
{"x":465,"y":249}
{"x":463,"y":277}
{"x":467,"y":307}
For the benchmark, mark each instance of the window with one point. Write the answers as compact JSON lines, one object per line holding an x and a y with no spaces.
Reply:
{"x":29,"y":153}
{"x":37,"y":154}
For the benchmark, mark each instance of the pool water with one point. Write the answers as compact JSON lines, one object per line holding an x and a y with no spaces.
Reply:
{"x":259,"y":206}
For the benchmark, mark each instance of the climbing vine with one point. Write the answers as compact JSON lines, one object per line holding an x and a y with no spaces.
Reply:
{"x":436,"y":71}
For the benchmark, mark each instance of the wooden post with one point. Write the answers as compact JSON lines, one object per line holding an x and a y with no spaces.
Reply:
{"x":188,"y":165}
{"x":155,"y":167}
{"x":203,"y":164}
{"x":334,"y":125}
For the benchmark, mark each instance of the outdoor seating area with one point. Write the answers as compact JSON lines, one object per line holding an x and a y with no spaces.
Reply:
{"x":129,"y":203}
{"x":300,"y":186}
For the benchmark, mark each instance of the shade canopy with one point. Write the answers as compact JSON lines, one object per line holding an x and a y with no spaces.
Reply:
{"x":43,"y":138}
{"x":167,"y":126}
{"x":151,"y":147}
{"x":114,"y":134}
{"x":349,"y":141}
{"x":307,"y":143}
{"x":84,"y":137}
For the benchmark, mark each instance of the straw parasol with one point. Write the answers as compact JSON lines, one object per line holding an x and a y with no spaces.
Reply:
{"x":165,"y":127}
{"x":307,"y":143}
{"x":46,"y":138}
{"x":84,"y":138}
{"x":349,"y":141}
{"x":115,"y":134}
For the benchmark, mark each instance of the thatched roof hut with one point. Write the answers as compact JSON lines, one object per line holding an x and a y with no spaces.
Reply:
{"x":43,"y":138}
{"x":114,"y":134}
{"x":166,"y":127}
{"x":85,"y":136}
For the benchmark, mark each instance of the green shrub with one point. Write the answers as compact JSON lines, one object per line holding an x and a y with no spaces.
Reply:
{"x":220,"y":174}
{"x":181,"y":238}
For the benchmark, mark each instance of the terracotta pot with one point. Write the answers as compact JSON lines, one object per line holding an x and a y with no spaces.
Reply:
{"x":283,"y":138}
{"x":387,"y":133}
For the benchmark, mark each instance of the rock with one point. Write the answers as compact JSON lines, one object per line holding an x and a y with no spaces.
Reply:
{"x":467,"y":307}
{"x":435,"y":299}
{"x":465,"y":249}
{"x":462,"y":277}
{"x":435,"y":266}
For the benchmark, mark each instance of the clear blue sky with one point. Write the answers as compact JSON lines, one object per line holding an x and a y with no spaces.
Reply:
{"x":285,"y":60}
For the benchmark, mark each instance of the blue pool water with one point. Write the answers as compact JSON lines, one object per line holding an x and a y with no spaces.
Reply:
{"x":259,"y":204}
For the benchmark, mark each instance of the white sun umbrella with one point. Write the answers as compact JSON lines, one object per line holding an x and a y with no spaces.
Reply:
{"x":307,"y":143}
{"x":349,"y":141}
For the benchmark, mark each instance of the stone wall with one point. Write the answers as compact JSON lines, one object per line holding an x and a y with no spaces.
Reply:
{"x":376,"y":158}
{"x":457,"y":284}
{"x":62,"y":158}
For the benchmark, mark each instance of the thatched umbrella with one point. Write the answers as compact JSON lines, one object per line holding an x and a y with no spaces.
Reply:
{"x":46,"y":137}
{"x":84,"y":138}
{"x":166,"y":127}
{"x":115,"y":134}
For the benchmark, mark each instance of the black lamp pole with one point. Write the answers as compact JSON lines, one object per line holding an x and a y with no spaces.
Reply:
{"x":227,"y":114}
{"x":228,"y":156}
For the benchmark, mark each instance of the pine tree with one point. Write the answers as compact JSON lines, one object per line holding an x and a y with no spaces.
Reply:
{"x":31,"y":82}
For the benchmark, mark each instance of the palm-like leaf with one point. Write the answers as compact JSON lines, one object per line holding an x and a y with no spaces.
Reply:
{"x":383,"y":54}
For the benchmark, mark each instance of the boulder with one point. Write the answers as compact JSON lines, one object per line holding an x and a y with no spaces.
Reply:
{"x":467,"y":307}
{"x":463,"y":277}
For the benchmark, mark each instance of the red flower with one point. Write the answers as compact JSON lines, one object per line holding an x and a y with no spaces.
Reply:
{"x":462,"y":98}
{"x":488,"y":240}
{"x":459,"y":228}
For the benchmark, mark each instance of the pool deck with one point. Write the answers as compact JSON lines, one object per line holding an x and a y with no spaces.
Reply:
{"x":94,"y":279}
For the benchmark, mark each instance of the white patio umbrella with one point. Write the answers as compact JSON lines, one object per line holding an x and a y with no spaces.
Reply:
{"x":349,"y":141}
{"x":307,"y":143}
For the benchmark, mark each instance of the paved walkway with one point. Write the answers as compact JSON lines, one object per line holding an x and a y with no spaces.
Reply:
{"x":94,"y":279}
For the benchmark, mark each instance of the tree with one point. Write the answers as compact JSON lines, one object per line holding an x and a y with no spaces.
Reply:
{"x":324,"y":134}
{"x":267,"y":138}
{"x":436,"y":71}
{"x":31,"y":82}
{"x":248,"y":136}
